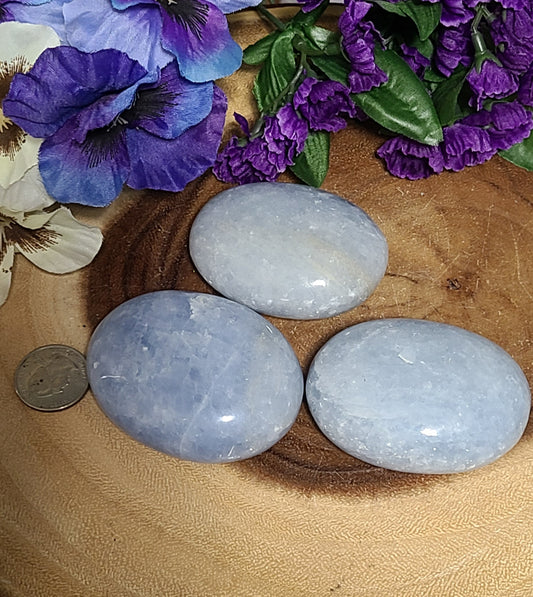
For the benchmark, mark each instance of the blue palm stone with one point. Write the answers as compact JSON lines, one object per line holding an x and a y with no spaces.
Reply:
{"x":418,"y":396}
{"x":195,"y":375}
{"x":288,"y":250}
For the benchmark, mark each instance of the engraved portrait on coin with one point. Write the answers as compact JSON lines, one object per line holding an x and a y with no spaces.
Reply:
{"x":51,"y":378}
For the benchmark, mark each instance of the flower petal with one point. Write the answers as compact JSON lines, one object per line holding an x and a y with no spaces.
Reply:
{"x":62,"y":81}
{"x":168,"y":108}
{"x":73,"y":244}
{"x":26,"y":41}
{"x":197,"y":34}
{"x":227,"y":6}
{"x":90,"y":173}
{"x":16,"y":160}
{"x":411,"y":159}
{"x":465,"y":145}
{"x":122,"y":4}
{"x":20,"y":47}
{"x":492,"y":81}
{"x":27,"y":194}
{"x":95,"y":25}
{"x":324,"y":104}
{"x":7,"y":253}
{"x":49,"y":12}
{"x":104,"y":111}
{"x":34,"y":220}
{"x":171,"y":164}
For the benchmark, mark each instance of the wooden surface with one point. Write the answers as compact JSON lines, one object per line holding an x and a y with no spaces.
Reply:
{"x":86,"y":511}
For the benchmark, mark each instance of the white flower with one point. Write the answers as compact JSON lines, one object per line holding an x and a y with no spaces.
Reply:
{"x":52,"y":239}
{"x":20,"y":46}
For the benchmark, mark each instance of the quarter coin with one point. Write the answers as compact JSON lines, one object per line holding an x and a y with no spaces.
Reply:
{"x":51,"y":378}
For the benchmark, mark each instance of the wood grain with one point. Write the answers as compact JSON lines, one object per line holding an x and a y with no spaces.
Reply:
{"x":87,"y":511}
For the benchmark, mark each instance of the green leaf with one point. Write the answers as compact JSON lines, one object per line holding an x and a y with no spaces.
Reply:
{"x":433,"y":76}
{"x":401,"y":105}
{"x":334,"y":67}
{"x":520,"y":154}
{"x":446,"y":95}
{"x":323,"y":39}
{"x":304,"y":19}
{"x":425,"y":15}
{"x":425,"y":47}
{"x":394,"y":7}
{"x":277,"y":72}
{"x":258,"y":52}
{"x":311,"y":166}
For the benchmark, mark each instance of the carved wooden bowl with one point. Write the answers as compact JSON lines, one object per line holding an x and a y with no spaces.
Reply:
{"x":87,"y":511}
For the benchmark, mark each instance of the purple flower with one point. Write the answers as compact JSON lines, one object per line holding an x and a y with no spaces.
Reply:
{"x":324,"y":104}
{"x":465,"y":145}
{"x":410,"y":159}
{"x":491,"y":81}
{"x":454,"y":47}
{"x":285,"y":134}
{"x":309,"y":5}
{"x":476,"y":138}
{"x":264,"y":157}
{"x":194,"y":32}
{"x":455,"y":13}
{"x":506,"y":124}
{"x":416,"y":60}
{"x":511,"y":124}
{"x":515,"y":4}
{"x":525,"y":89}
{"x":359,"y":39}
{"x":513,"y":29}
{"x":243,"y":162}
{"x":107,"y":122}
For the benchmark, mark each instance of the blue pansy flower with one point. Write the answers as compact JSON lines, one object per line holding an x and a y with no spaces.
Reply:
{"x":106,"y":121}
{"x":154,"y":32}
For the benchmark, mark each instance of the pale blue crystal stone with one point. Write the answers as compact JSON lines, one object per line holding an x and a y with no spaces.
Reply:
{"x":288,"y":250}
{"x":195,"y":375}
{"x":418,"y":396}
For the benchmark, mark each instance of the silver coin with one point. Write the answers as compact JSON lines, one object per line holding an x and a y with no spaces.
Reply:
{"x":51,"y":377}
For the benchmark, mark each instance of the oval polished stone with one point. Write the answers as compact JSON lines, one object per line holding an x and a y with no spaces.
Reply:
{"x":288,"y":250}
{"x":418,"y":396}
{"x":195,"y":375}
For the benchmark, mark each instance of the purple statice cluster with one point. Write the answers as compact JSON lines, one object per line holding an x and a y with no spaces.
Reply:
{"x":359,"y":36}
{"x":273,"y":144}
{"x":468,"y":142}
{"x":493,"y":43}
{"x":485,"y":45}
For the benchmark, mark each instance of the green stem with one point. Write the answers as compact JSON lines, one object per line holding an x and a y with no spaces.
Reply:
{"x":480,"y":47}
{"x":481,"y":13}
{"x":481,"y":52}
{"x":264,"y":12}
{"x":300,"y":45}
{"x":281,"y":99}
{"x":477,"y":19}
